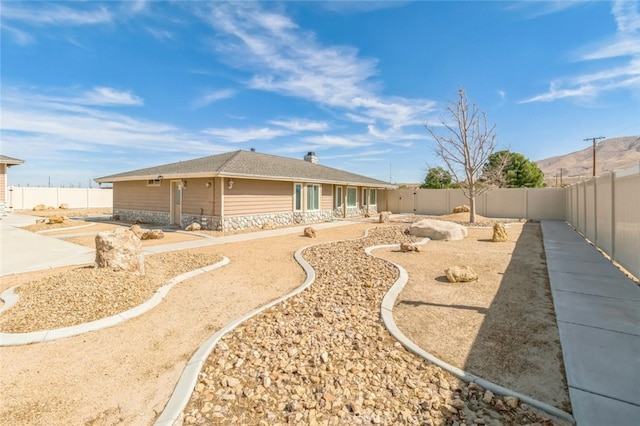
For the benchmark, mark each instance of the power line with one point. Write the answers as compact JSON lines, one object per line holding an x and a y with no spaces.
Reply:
{"x":595,"y":139}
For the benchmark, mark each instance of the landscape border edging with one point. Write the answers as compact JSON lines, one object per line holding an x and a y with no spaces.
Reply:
{"x":386,"y":312}
{"x":184,"y":388}
{"x":17,"y":339}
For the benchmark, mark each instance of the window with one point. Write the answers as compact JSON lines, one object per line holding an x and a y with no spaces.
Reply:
{"x":153,"y":182}
{"x":339,"y":198}
{"x":373,"y":195}
{"x":297,"y":197}
{"x":313,"y":197}
{"x":365,"y":197}
{"x":351,"y":197}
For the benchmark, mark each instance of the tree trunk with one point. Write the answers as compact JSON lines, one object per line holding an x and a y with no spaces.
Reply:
{"x":472,"y":209}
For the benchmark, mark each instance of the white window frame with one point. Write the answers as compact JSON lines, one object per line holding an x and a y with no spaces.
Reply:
{"x":365,"y":197}
{"x":298,"y":197}
{"x":154,"y":182}
{"x":353,"y":190}
{"x":339,"y":197}
{"x":313,"y":197}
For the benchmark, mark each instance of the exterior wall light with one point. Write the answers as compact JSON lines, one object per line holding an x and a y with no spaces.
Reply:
{"x":230,"y":185}
{"x":208,"y":184}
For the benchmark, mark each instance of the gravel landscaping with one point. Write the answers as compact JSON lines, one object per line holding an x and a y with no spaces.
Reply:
{"x":324,"y":357}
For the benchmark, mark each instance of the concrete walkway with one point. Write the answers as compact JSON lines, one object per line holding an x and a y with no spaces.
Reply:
{"x":598,"y":314}
{"x":24,"y":251}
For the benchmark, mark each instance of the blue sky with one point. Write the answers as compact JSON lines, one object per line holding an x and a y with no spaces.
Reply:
{"x":95,"y":88}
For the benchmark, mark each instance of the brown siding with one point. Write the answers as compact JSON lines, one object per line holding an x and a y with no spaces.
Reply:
{"x":326,"y":203}
{"x":136,"y":195}
{"x":250,"y":196}
{"x":197,"y":199}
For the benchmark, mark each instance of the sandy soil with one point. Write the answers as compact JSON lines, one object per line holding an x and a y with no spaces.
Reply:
{"x":502,"y":327}
{"x":125,"y":374}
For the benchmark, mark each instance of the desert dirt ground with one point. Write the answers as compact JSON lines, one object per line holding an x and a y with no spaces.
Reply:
{"x":125,"y":374}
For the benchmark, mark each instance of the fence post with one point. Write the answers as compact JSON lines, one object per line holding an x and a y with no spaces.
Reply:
{"x":613,"y":215}
{"x":595,"y":210}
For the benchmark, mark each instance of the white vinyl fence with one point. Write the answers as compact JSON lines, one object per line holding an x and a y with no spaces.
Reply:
{"x":527,"y":203}
{"x":26,"y":198}
{"x":606,"y":210}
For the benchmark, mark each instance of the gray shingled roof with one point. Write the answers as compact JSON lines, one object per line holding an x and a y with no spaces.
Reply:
{"x":250,"y":165}
{"x":10,"y":161}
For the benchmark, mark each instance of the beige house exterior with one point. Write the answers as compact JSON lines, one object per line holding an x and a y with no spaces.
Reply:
{"x":5,"y":163}
{"x":243,"y":190}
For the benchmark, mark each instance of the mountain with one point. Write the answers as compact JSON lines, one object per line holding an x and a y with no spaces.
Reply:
{"x":611,"y":154}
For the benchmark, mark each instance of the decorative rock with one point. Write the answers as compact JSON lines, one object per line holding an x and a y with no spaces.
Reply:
{"x":438,"y":230}
{"x":63,"y":206}
{"x":195,"y":226}
{"x":269,"y":225}
{"x":461,"y":274}
{"x":511,"y":401}
{"x":152,"y":234}
{"x":461,"y":209}
{"x":55,"y":219}
{"x":136,"y":229}
{"x":384,"y":217}
{"x":407,"y":247}
{"x":119,"y":249}
{"x":39,"y":207}
{"x":500,"y":233}
{"x":488,"y":396}
{"x":309,"y":232}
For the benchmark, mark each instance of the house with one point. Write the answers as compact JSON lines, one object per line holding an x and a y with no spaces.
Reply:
{"x":5,"y":163}
{"x":243,"y":190}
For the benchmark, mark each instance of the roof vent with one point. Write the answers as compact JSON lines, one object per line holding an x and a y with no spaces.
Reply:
{"x":311,"y":157}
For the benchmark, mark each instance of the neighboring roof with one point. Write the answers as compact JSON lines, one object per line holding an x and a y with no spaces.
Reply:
{"x":245,"y":164}
{"x":10,"y":161}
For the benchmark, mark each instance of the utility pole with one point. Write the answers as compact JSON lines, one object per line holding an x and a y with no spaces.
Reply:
{"x":594,"y":150}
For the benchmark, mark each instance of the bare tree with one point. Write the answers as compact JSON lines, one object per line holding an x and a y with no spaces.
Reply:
{"x":465,"y":143}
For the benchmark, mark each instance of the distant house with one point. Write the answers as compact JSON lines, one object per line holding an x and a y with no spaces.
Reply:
{"x":5,"y":163}
{"x":243,"y":190}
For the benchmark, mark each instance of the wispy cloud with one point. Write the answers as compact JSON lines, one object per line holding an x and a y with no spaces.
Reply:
{"x":295,"y":125}
{"x":624,"y":45}
{"x":55,"y":14}
{"x":20,"y":37}
{"x":234,"y":135}
{"x":35,"y":121}
{"x":159,"y":34}
{"x":288,"y":60}
{"x":109,"y":96}
{"x":536,"y":9}
{"x":211,"y":97}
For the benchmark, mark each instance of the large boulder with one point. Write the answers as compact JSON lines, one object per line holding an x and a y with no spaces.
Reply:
{"x":438,"y":230}
{"x":119,"y":249}
{"x":462,"y":209}
{"x":309,"y":232}
{"x":194,"y":226}
{"x":407,"y":247}
{"x":384,"y":217}
{"x":137,"y":230}
{"x":56,"y":219}
{"x":461,"y":274}
{"x":500,"y":233}
{"x":39,"y":207}
{"x":152,"y":234}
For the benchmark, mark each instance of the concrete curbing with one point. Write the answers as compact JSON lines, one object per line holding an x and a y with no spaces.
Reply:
{"x":16,"y":339}
{"x":386,"y":312}
{"x":46,"y":231}
{"x":187,"y":382}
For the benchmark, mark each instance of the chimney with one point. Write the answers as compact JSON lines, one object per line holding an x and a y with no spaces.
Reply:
{"x":311,"y":157}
